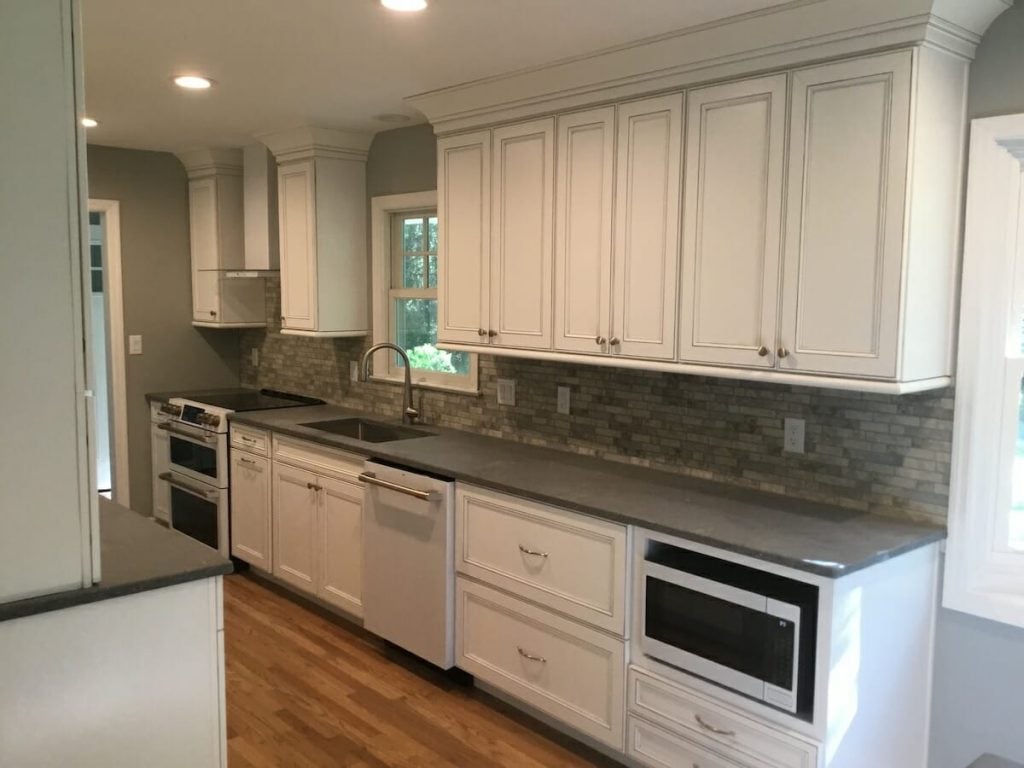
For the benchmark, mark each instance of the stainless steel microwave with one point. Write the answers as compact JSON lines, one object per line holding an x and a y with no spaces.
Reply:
{"x":748,"y":630}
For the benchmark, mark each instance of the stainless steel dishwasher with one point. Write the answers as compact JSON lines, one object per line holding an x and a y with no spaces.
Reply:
{"x":408,"y":564}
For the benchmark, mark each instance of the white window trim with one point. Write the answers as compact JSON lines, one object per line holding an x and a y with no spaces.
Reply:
{"x":983,"y":575}
{"x":381,"y":210}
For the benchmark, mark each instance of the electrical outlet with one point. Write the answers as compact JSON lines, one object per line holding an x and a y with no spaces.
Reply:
{"x":135,"y":344}
{"x":506,"y":391}
{"x":793,"y":442}
{"x":353,"y":370}
{"x":564,"y":400}
{"x":254,"y":357}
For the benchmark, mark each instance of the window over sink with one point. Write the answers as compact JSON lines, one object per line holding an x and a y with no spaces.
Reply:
{"x":405,"y":261}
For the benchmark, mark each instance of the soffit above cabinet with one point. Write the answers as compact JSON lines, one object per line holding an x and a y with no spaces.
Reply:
{"x":775,"y":38}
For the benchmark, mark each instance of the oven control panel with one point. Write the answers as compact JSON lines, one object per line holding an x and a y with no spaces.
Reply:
{"x":195,"y":415}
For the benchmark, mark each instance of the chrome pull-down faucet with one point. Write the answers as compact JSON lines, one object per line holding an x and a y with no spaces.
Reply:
{"x":409,"y":414}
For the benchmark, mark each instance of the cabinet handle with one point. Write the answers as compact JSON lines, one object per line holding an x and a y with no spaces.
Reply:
{"x":481,"y":332}
{"x":614,"y":341}
{"x":212,"y":313}
{"x":601,"y":340}
{"x":247,"y":439}
{"x":762,"y":351}
{"x":314,"y":487}
{"x":709,"y":727}
{"x":530,"y":656}
{"x":533,"y":552}
{"x":492,"y":334}
{"x":783,"y":352}
{"x":244,"y":460}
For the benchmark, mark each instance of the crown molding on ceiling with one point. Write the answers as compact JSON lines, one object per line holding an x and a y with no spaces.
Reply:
{"x":211,"y":162}
{"x":308,"y":141}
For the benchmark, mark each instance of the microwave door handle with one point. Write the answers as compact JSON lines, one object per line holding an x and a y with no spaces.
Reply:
{"x":173,"y":481}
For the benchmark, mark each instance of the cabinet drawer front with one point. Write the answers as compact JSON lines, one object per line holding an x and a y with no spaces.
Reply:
{"x":316,"y":458}
{"x":754,"y":744}
{"x":566,"y":562}
{"x":253,"y":440}
{"x":656,"y":747}
{"x":562,"y":668}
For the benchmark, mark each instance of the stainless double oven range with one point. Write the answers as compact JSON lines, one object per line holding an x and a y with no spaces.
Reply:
{"x":196,"y":470}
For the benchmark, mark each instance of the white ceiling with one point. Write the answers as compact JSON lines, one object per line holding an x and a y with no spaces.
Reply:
{"x":332,"y":63}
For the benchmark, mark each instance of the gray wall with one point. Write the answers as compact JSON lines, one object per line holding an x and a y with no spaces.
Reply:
{"x":979,"y":669}
{"x":153,"y":192}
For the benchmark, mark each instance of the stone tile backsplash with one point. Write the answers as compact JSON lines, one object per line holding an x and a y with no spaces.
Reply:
{"x":886,"y":454}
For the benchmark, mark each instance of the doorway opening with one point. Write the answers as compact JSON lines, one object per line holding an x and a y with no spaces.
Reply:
{"x":106,"y":312}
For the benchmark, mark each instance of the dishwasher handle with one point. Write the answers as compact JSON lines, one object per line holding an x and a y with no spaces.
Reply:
{"x":371,"y":479}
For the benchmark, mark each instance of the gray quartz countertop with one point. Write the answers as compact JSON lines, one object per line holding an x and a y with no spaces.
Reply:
{"x":812,"y":537}
{"x":136,"y":555}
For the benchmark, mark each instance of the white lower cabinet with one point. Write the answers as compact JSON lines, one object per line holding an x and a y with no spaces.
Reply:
{"x":341,"y":544}
{"x":564,"y":669}
{"x":667,"y":719}
{"x":295,"y":514}
{"x":160,"y":447}
{"x":250,"y":509}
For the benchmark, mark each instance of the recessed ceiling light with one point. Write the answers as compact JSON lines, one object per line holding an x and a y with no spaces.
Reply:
{"x":193,"y":82}
{"x":405,"y":6}
{"x":88,"y":122}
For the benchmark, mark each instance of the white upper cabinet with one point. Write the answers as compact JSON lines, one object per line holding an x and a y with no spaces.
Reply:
{"x":521,"y":240}
{"x":583,"y":230}
{"x":321,"y":199}
{"x":646,"y":245}
{"x":464,"y":237}
{"x":732,"y":222}
{"x":849,"y":145}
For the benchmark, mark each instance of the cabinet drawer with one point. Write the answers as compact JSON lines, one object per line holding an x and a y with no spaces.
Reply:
{"x":316,"y":458}
{"x":567,"y":562}
{"x":657,"y":747}
{"x":749,"y":742}
{"x":253,"y":440}
{"x":571,"y":672}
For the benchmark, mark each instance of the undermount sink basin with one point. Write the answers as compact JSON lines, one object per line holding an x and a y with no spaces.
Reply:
{"x":367,"y":431}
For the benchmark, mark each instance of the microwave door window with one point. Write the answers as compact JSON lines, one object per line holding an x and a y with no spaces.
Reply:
{"x":732,"y":635}
{"x":193,"y":456}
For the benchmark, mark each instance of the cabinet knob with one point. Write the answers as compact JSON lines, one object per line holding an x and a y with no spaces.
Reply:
{"x":783,"y":352}
{"x":614,"y":341}
{"x":492,"y":334}
{"x":601,"y":340}
{"x":481,"y":332}
{"x":212,"y":313}
{"x":762,"y":351}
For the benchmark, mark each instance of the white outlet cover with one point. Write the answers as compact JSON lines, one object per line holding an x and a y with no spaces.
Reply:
{"x":353,"y":370}
{"x":793,"y":441}
{"x":254,"y":356}
{"x":506,"y":391}
{"x":135,"y":344}
{"x":564,"y":400}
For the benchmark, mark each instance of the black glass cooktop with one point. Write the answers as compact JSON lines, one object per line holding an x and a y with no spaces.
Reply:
{"x":256,"y":400}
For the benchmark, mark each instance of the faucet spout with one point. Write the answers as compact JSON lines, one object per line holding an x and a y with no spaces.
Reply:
{"x":409,"y":414}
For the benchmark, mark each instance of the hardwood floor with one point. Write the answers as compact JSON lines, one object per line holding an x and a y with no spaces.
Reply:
{"x":307,"y":689}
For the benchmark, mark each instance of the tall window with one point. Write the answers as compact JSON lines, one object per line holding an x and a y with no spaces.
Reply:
{"x":985,"y":551}
{"x":405,"y":252}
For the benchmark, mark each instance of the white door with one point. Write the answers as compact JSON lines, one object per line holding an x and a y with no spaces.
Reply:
{"x":341,"y":544}
{"x":202,"y":220}
{"x":160,"y":448}
{"x":463,"y":220}
{"x":206,"y":295}
{"x":296,"y":195}
{"x":732,"y":222}
{"x":844,"y":217}
{"x":521,"y":240}
{"x":296,"y":500}
{"x":646,"y":254}
{"x":250,"y":509}
{"x":583,"y":230}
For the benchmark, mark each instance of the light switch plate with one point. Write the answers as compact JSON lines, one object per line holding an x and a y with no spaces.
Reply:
{"x":506,"y":391}
{"x":793,"y":442}
{"x":564,"y":400}
{"x":135,"y":344}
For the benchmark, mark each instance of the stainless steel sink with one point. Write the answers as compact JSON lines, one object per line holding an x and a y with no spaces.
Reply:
{"x":367,"y":431}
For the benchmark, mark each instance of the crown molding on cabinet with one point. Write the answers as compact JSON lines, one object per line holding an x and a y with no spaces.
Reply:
{"x":783,"y":37}
{"x":200,"y":163}
{"x":310,"y":141}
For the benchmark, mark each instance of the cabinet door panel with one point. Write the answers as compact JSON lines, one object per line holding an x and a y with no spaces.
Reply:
{"x":521,"y":245}
{"x":296,"y":201}
{"x":295,"y":526}
{"x":463,"y":214}
{"x":646,"y":256}
{"x":732,"y":222}
{"x":583,"y":229}
{"x":202,"y":219}
{"x":206,"y":295}
{"x":250,"y":509}
{"x":160,"y":446}
{"x":341,"y":544}
{"x":844,"y":232}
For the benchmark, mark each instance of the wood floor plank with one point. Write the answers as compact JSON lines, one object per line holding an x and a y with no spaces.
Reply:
{"x":308,"y":690}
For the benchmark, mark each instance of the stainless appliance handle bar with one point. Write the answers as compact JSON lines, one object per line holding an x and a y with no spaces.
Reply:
{"x":183,"y":433}
{"x":372,"y":479}
{"x":171,"y":480}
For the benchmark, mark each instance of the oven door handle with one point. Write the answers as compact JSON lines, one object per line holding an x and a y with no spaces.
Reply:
{"x":170,"y":479}
{"x":167,"y":427}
